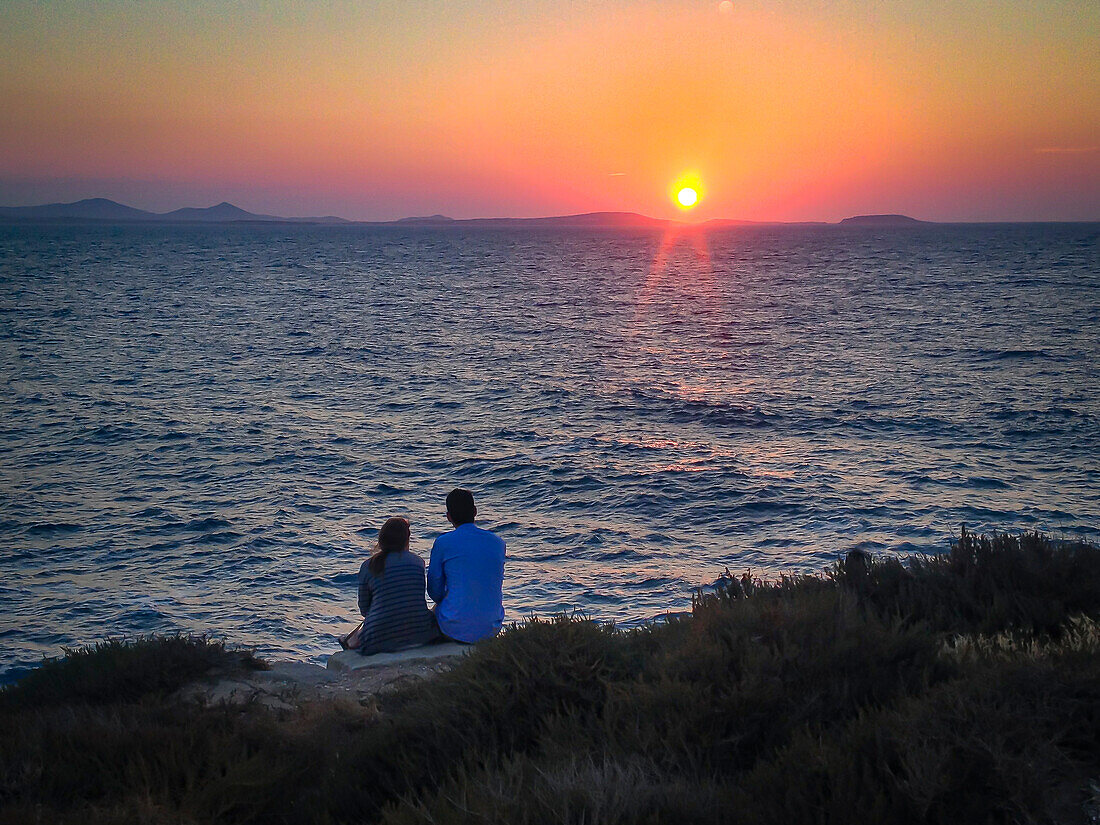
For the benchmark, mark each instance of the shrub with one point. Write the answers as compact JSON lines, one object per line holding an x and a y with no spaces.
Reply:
{"x":122,"y":671}
{"x":985,"y":584}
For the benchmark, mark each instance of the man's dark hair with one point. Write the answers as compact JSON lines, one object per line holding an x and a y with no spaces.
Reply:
{"x":460,"y":504}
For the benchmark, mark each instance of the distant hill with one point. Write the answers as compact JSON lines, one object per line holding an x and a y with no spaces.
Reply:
{"x":603,"y":219}
{"x":101,"y":209}
{"x":881,"y":220}
{"x":599,"y":219}
{"x":593,"y":219}
{"x":221,"y":212}
{"x":321,"y":219}
{"x":96,"y":209}
{"x":721,"y":223}
{"x":430,"y":220}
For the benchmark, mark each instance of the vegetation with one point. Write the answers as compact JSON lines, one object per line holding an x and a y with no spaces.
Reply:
{"x":123,"y":671}
{"x":956,"y":688}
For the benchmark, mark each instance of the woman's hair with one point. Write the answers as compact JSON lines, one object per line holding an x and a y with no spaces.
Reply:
{"x":392,"y":538}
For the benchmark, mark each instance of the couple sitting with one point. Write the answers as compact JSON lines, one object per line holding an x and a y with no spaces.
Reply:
{"x":465,"y":577}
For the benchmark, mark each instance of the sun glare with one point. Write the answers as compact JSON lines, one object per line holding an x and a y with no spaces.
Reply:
{"x":687,"y":190}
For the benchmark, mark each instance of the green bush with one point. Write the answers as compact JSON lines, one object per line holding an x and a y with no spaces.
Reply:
{"x":1014,"y":738}
{"x":985,"y":584}
{"x":122,"y":671}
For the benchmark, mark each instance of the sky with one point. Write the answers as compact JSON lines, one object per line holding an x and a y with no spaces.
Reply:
{"x":953,"y":110}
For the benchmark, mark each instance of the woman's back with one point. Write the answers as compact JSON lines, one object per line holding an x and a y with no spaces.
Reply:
{"x":395,"y":614}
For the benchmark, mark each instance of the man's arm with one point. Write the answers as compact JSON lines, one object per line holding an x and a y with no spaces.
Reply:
{"x":437,"y":582}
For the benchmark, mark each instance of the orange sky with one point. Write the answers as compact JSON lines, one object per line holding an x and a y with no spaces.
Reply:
{"x":785,"y":110}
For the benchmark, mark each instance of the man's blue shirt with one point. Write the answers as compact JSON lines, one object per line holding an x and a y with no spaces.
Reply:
{"x":465,"y":580}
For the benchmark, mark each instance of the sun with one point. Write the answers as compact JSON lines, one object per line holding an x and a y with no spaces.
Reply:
{"x":687,"y":197}
{"x":687,"y":190}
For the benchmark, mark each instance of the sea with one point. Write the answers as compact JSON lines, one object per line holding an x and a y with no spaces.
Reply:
{"x":202,"y":427}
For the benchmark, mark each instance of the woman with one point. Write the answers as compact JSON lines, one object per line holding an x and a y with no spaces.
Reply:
{"x":391,"y":596}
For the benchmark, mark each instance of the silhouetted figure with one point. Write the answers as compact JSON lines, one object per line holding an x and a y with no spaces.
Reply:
{"x":466,"y":575}
{"x":391,"y":596}
{"x":857,"y":568}
{"x":747,"y":585}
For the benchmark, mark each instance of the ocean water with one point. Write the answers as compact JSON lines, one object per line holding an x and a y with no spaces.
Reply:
{"x":203,"y":427}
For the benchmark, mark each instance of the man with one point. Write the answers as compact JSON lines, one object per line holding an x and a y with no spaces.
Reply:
{"x":466,"y":575}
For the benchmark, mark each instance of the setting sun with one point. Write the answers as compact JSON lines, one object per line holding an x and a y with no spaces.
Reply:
{"x":686,"y":190}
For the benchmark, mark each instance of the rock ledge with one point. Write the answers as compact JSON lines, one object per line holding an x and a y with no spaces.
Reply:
{"x":346,"y":661}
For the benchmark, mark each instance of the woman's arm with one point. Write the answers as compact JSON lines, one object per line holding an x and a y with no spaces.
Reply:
{"x":364,"y":592}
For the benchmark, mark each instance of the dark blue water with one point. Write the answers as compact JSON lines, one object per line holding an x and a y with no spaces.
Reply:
{"x":203,"y":427}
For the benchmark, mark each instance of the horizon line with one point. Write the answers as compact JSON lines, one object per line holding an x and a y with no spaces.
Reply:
{"x":209,"y":214}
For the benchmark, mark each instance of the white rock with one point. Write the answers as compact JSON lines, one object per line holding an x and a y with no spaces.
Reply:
{"x":230,"y":692}
{"x":274,"y":702}
{"x":300,"y":673}
{"x":350,"y":660}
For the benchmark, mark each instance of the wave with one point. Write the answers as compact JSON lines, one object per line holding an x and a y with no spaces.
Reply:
{"x":224,"y":537}
{"x":770,"y":506}
{"x":1012,"y":354}
{"x":52,"y":528}
{"x":721,"y":413}
{"x":205,"y":524}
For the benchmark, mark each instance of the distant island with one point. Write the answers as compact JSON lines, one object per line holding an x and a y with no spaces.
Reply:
{"x":882,"y":220}
{"x":102,"y":210}
{"x":604,"y":219}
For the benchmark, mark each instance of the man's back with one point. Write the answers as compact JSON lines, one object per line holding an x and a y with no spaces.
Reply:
{"x":465,"y":580}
